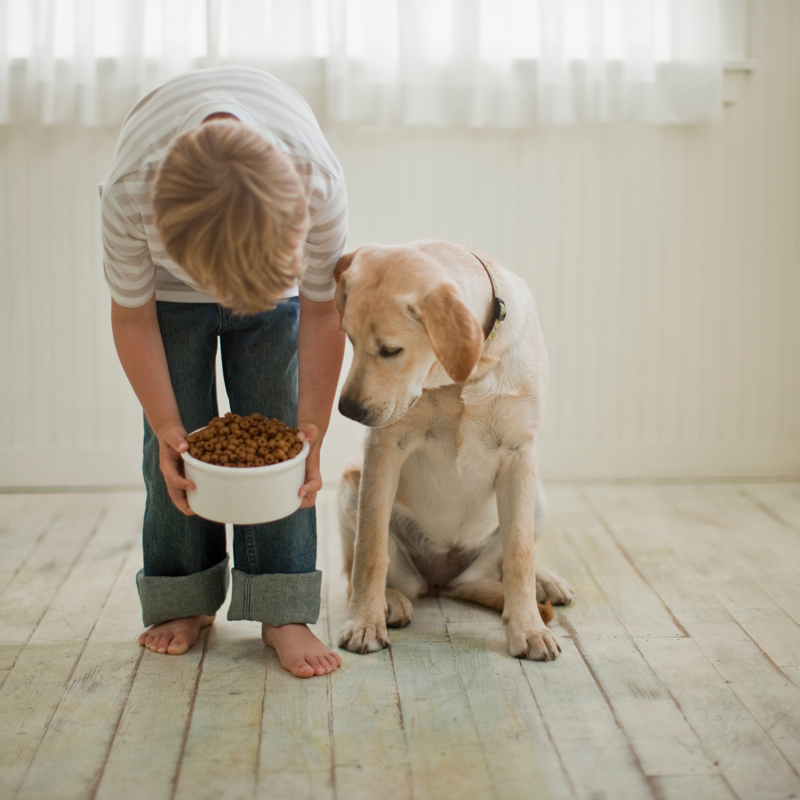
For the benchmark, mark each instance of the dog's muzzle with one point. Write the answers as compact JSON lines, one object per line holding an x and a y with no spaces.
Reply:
{"x":352,"y":410}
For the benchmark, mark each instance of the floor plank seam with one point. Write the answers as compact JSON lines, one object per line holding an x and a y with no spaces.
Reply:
{"x":767,"y":510}
{"x":331,"y":740}
{"x":675,"y":700}
{"x":63,"y":580}
{"x":654,"y":788}
{"x":187,"y":727}
{"x":126,"y":693}
{"x":261,"y":729}
{"x":629,"y":559}
{"x":486,"y":760}
{"x":33,"y":549}
{"x":564,"y":771}
{"x":67,"y":680}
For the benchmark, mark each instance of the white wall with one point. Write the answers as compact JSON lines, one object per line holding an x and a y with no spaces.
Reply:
{"x":665,"y":261}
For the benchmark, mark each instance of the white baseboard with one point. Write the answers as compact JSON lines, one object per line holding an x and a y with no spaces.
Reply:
{"x":117,"y":466}
{"x":617,"y":460}
{"x":557,"y":461}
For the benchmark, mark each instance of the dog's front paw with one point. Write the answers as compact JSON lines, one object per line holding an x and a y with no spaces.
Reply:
{"x":532,"y":641}
{"x":552,"y":587}
{"x":364,"y":635}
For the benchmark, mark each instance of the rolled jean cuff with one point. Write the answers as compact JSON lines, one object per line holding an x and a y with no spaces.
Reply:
{"x":275,"y":598}
{"x":164,"y":598}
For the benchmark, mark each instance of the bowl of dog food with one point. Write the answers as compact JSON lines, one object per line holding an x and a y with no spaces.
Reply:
{"x":247,"y":469}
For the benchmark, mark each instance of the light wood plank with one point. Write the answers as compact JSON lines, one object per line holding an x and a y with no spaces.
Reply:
{"x":32,"y":588}
{"x":768,"y":625}
{"x":693,"y":787}
{"x":768,"y":549}
{"x":296,"y":758}
{"x":732,"y":542}
{"x":72,"y":755}
{"x":22,"y":531}
{"x":745,"y":754}
{"x":781,"y":499}
{"x":684,"y":584}
{"x":10,"y":506}
{"x":295,"y":748}
{"x":371,"y":745}
{"x":660,"y":735}
{"x":635,"y":603}
{"x":404,"y":722}
{"x":370,"y":742}
{"x":50,"y":657}
{"x":220,"y":759}
{"x":767,"y":693}
{"x":144,"y":757}
{"x":522,"y":759}
{"x":444,"y":748}
{"x":593,"y":747}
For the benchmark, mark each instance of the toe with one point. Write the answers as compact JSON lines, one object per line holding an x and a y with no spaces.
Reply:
{"x":333,"y":661}
{"x":302,"y":669}
{"x":317,"y":665}
{"x":179,"y":644}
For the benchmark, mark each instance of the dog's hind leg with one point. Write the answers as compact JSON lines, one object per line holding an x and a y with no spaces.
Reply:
{"x":552,"y":588}
{"x":400,"y":611}
{"x":489,"y":592}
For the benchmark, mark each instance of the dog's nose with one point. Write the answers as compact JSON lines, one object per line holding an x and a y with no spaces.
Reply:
{"x":351,"y":409}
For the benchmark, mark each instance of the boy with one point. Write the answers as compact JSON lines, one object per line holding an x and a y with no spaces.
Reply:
{"x":222,"y":198}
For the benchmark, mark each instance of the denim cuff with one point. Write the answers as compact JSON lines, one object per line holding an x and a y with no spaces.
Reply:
{"x":165,"y":598}
{"x":275,"y":598}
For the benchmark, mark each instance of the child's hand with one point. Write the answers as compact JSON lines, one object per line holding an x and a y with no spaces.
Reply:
{"x":171,"y":443}
{"x":308,"y":432}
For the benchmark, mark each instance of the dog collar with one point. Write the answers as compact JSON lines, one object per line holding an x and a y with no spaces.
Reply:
{"x":498,"y":307}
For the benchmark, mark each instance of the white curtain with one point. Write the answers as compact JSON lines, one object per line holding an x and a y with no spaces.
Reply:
{"x":478,"y":63}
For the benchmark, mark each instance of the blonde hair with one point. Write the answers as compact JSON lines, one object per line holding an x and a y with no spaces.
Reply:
{"x":231,"y":210}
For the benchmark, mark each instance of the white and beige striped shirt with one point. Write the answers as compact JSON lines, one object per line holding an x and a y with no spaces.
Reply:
{"x":135,"y":262}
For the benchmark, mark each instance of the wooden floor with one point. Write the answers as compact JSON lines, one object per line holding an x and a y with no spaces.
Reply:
{"x":679,"y":676}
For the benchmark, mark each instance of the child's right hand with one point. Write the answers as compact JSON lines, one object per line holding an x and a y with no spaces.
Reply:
{"x":171,"y":443}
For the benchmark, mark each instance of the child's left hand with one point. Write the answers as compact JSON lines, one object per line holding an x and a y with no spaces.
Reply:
{"x":308,"y":432}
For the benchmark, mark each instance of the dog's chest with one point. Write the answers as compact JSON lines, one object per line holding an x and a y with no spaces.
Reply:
{"x":448,"y":480}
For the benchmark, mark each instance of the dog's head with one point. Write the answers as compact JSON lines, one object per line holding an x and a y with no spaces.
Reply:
{"x":404,"y":318}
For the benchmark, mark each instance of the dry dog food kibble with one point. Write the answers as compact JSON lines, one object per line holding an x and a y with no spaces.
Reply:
{"x":236,"y":441}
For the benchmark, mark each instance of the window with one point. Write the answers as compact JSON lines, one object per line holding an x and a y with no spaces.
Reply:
{"x":495,"y":63}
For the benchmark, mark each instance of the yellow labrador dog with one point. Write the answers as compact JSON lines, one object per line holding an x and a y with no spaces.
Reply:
{"x":449,"y":373}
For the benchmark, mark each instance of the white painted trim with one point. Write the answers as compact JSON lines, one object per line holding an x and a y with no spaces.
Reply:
{"x":617,"y":460}
{"x":68,"y":467}
{"x":740,"y":65}
{"x":558,"y":461}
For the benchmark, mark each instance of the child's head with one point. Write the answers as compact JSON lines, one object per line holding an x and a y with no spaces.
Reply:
{"x":230,"y":209}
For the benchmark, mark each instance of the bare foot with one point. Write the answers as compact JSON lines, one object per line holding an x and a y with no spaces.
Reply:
{"x":175,"y":636}
{"x":299,"y":650}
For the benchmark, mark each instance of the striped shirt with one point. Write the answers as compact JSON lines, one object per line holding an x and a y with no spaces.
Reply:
{"x":135,"y":261}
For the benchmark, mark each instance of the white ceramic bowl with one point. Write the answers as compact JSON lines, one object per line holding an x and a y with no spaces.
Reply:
{"x":246,"y":496}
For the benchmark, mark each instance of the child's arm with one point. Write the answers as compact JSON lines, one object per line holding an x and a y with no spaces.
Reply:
{"x":141,"y":352}
{"x":320,"y":350}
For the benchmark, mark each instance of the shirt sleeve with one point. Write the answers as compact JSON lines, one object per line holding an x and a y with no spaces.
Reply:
{"x":326,"y":238}
{"x":129,"y":269}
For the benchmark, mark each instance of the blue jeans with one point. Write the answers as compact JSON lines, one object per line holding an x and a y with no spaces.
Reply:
{"x":185,"y":559}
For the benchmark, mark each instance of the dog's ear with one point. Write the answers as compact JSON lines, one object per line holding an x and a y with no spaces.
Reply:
{"x":340,"y":298}
{"x":454,"y":334}
{"x":343,"y":264}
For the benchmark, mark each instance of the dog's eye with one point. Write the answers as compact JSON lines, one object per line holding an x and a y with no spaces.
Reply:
{"x":388,"y":352}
